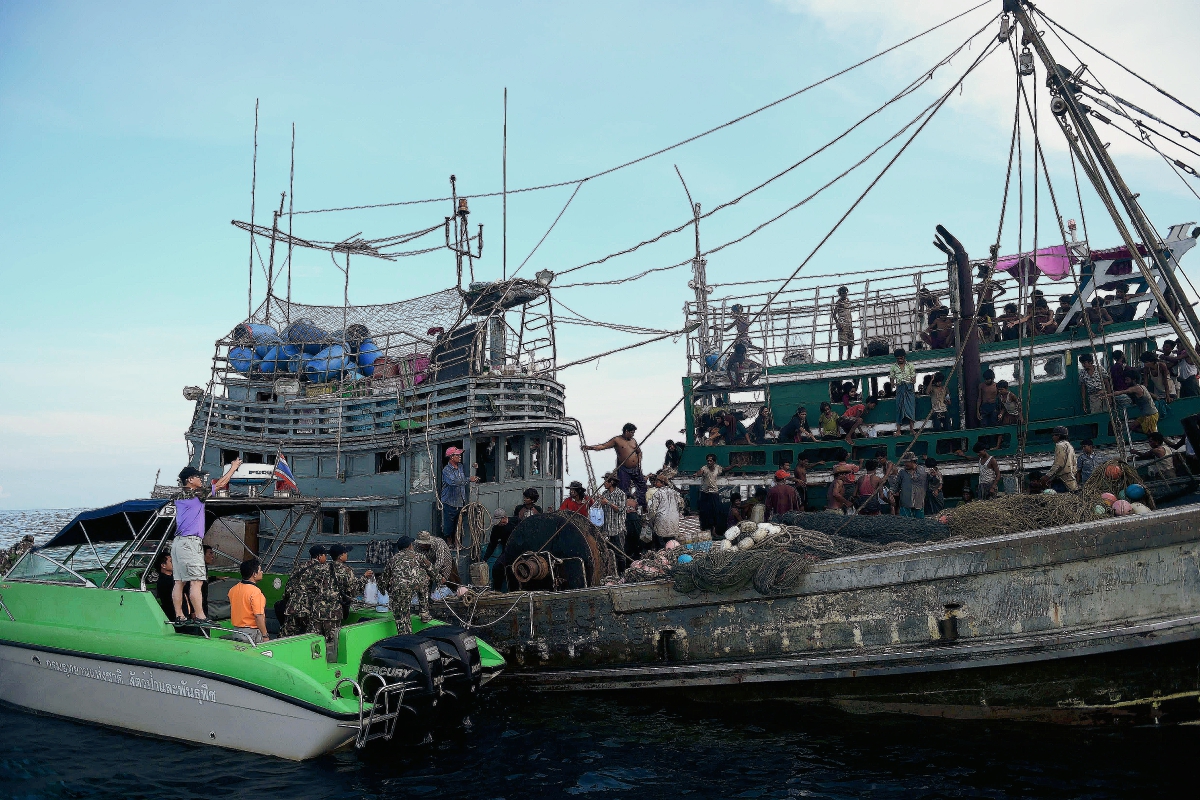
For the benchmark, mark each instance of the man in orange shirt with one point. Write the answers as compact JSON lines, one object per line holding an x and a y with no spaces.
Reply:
{"x":247,"y":603}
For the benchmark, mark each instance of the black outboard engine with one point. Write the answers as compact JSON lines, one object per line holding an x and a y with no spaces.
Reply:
{"x":461,"y":668}
{"x":413,"y":661}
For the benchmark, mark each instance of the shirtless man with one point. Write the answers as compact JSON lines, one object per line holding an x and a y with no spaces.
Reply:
{"x":629,"y":462}
{"x":987,"y":408}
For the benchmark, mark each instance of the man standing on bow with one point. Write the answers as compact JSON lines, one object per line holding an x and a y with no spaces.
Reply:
{"x":187,"y":549}
{"x":455,"y":484}
{"x":629,"y":462}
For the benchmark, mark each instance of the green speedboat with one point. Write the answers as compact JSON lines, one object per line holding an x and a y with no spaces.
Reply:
{"x":83,"y":637}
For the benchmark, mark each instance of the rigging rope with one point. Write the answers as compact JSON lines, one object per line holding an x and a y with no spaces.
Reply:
{"x":659,"y":152}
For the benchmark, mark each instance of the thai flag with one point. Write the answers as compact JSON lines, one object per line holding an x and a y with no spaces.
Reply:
{"x":284,"y":481}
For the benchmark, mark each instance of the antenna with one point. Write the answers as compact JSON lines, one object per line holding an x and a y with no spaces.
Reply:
{"x":699,"y":279}
{"x":253,"y":184}
{"x":504,"y":190}
{"x":291,"y":201}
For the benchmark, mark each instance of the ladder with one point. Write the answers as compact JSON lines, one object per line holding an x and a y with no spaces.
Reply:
{"x":587,"y":455}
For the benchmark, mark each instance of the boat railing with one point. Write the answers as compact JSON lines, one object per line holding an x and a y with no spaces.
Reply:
{"x":207,"y":627}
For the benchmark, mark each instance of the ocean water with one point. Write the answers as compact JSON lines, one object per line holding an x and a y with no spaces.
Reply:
{"x":527,"y":745}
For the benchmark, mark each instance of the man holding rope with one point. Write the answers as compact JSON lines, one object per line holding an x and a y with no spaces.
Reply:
{"x":629,"y":463}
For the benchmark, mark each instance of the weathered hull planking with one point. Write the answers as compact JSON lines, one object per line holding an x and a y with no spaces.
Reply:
{"x":1071,"y":624}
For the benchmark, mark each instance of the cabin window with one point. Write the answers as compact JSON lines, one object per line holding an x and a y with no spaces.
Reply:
{"x":514,"y":463}
{"x":228,"y":457}
{"x":870,"y":451}
{"x":1007,"y":371}
{"x":535,"y":456}
{"x":357,"y":521}
{"x":422,"y":472}
{"x":753,"y":458}
{"x":304,"y":467}
{"x":947,"y":447}
{"x":328,"y":466}
{"x":920,"y":449}
{"x":554,"y":465}
{"x":330,"y":521}
{"x":253,"y":458}
{"x":485,"y":459}
{"x":1000,"y":441}
{"x":782,"y":458}
{"x":1048,"y":368}
{"x":388,"y":461}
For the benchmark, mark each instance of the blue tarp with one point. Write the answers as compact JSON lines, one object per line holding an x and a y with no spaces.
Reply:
{"x":107,"y":524}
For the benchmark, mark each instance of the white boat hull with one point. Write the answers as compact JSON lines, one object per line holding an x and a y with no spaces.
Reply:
{"x":164,"y":702}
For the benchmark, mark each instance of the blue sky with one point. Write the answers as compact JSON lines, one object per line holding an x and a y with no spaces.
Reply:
{"x":125,"y":150}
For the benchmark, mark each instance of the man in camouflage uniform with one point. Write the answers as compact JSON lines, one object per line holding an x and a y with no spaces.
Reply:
{"x":408,"y":573}
{"x":335,"y":595}
{"x":437,"y":552}
{"x":13,"y":554}
{"x":297,"y":598}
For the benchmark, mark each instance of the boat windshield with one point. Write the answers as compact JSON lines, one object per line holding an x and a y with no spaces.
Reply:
{"x":75,"y":566}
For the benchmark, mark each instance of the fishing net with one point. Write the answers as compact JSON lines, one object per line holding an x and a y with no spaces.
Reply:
{"x":1017,"y":513}
{"x":880,"y":530}
{"x":775,"y":566}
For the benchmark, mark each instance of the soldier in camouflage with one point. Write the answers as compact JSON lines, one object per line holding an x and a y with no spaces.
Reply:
{"x":13,"y":554}
{"x":437,"y":552}
{"x":408,"y":573}
{"x":297,"y":598}
{"x":334,"y":589}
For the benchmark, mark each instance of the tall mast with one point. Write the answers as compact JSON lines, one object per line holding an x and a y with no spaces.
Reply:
{"x":699,"y":282}
{"x":1098,"y":166}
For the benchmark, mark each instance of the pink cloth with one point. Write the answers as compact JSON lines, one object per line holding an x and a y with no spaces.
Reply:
{"x":1053,"y":262}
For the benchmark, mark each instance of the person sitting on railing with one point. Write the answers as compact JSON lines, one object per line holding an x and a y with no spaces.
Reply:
{"x":1011,"y":323}
{"x":940,"y":332}
{"x":1043,"y":318}
{"x":828,"y":422}
{"x":1097,"y":315}
{"x":733,"y":431}
{"x":796,"y":429}
{"x":1064,"y":307}
{"x":762,"y":425}
{"x":852,"y":418}
{"x":1119,"y":307}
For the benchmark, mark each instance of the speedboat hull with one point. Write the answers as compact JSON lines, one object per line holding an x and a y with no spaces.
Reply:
{"x":156,"y":700}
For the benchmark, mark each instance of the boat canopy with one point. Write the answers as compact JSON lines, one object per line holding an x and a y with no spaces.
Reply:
{"x":115,"y":523}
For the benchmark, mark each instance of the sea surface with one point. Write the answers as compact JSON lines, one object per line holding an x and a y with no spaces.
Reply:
{"x":525,"y":745}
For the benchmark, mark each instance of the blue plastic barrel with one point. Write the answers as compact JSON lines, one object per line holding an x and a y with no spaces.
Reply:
{"x":327,"y":364}
{"x":269,"y":361}
{"x":305,"y":333}
{"x":240,"y":358}
{"x":368,"y":352}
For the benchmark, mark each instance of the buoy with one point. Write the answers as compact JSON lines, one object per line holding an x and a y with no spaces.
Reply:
{"x":1049,"y":491}
{"x":1108,"y":498}
{"x":1113,"y":472}
{"x":1122,"y":507}
{"x":745,"y":544}
{"x":1135,"y":491}
{"x":685,"y":559}
{"x":732,"y":533}
{"x":1140,"y":508}
{"x":1100,"y":510}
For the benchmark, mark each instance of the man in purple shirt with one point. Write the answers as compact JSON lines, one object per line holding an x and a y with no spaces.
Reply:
{"x":187,"y":550}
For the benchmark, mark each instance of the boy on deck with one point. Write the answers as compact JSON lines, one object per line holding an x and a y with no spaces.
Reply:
{"x":247,"y":603}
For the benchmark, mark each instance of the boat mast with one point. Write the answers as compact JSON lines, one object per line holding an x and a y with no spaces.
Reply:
{"x":699,"y":281}
{"x":1098,"y":165}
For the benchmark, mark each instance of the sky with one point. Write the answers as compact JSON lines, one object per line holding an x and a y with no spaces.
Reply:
{"x":126,"y":148}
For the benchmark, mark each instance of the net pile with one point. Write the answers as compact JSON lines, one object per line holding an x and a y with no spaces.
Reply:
{"x":1099,"y":482}
{"x":881,"y":530}
{"x":776,"y":566}
{"x":1018,"y":513}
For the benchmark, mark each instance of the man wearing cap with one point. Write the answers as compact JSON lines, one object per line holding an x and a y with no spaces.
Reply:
{"x":407,"y":573}
{"x":454,"y":492}
{"x":297,"y":601}
{"x":437,"y":553}
{"x":1061,"y":475}
{"x":782,"y":497}
{"x":333,"y":587}
{"x":187,"y":550}
{"x":629,"y":462}
{"x":13,"y":554}
{"x":908,"y":486}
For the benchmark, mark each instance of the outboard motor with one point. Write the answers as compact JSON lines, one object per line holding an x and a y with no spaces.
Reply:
{"x":461,"y":668}
{"x":414,"y":661}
